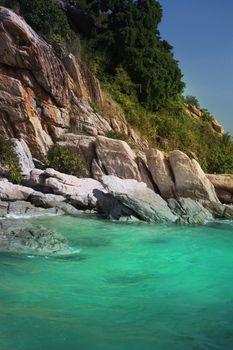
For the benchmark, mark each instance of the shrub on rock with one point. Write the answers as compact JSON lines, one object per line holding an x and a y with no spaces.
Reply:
{"x":65,"y":160}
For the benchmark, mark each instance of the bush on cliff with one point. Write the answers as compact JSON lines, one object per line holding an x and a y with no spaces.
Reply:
{"x":10,"y":161}
{"x":65,"y":160}
{"x":48,"y":18}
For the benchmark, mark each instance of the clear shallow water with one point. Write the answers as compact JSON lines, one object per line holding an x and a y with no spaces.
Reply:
{"x":132,"y":286}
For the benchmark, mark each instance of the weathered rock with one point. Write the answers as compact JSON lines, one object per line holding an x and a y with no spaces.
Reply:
{"x":216,"y":209}
{"x":224,"y":196}
{"x":222,"y":181}
{"x":131,"y":198}
{"x":189,"y":211}
{"x":228,"y":214}
{"x":217,"y":126}
{"x":45,"y":200}
{"x":22,"y":47}
{"x":86,"y":85}
{"x":11,"y":192}
{"x":96,"y":170}
{"x":24,"y":238}
{"x":190,"y":180}
{"x":145,"y":173}
{"x":78,"y":191}
{"x":116,"y":158}
{"x":223,"y":184}
{"x":24,"y":156}
{"x":36,"y":179}
{"x":161,"y":172}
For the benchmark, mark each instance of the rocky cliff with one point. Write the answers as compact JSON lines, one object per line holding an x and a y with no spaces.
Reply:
{"x":46,"y":98}
{"x":43,"y":94}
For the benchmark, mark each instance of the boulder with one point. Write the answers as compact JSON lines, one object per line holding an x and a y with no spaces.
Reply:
{"x":11,"y":192}
{"x":80,"y":192}
{"x":223,"y":184}
{"x":217,"y":126}
{"x":189,"y":211}
{"x":190,"y":180}
{"x":160,"y":170}
{"x":25,"y":238}
{"x":125,"y":198}
{"x":222,"y":181}
{"x":116,"y":158}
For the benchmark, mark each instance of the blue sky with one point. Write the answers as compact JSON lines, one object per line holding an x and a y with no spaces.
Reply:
{"x":201,"y":32}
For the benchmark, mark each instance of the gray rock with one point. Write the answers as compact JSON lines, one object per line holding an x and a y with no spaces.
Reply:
{"x":189,"y":211}
{"x":11,"y":192}
{"x":78,"y":191}
{"x":131,"y":198}
{"x":24,"y":238}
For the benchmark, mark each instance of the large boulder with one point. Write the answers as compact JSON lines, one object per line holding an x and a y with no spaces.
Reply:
{"x":11,"y":192}
{"x":190,"y":211}
{"x":127,"y":198}
{"x":80,"y":192}
{"x":190,"y":180}
{"x":223,"y":184}
{"x":116,"y":158}
{"x":160,"y":170}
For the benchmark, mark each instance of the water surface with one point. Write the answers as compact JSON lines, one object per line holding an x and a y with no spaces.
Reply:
{"x":128,"y":286}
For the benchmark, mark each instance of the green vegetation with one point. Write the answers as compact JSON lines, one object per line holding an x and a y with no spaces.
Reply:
{"x":66,"y":160}
{"x":191,"y":100}
{"x":126,"y":35}
{"x":113,"y":134}
{"x":9,"y":160}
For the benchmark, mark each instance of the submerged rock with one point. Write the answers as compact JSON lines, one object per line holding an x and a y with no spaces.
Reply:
{"x":25,"y":238}
{"x":129,"y":198}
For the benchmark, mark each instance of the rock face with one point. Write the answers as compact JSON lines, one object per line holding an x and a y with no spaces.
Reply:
{"x":127,"y":198}
{"x":24,"y":156}
{"x":197,"y":113}
{"x":42,"y":94}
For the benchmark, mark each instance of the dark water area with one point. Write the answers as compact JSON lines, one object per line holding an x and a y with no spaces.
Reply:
{"x":126,"y":286}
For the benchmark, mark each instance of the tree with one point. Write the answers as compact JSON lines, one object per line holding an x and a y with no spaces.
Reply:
{"x":128,"y":36}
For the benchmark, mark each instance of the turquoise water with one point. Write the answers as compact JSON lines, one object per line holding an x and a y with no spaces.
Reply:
{"x":131,"y":286}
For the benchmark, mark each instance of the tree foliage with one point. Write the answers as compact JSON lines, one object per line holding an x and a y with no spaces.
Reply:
{"x":127,"y":35}
{"x":46,"y":17}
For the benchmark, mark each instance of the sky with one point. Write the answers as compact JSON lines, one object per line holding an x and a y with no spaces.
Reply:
{"x":201,"y":32}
